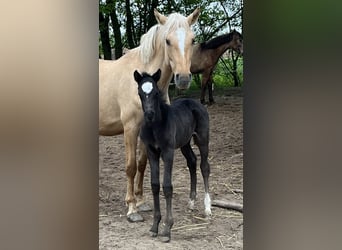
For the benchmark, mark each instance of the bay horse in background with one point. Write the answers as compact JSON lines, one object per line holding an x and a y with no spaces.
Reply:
{"x":165,"y":128}
{"x":206,"y":55}
{"x":168,"y":46}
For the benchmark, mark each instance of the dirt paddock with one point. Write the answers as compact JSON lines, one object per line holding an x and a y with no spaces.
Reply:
{"x":224,"y":230}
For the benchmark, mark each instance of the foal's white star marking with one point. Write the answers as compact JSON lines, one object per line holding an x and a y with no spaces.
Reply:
{"x":181,"y":39}
{"x":147,"y":87}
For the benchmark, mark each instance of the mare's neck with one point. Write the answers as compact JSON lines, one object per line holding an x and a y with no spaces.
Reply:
{"x":160,"y":62}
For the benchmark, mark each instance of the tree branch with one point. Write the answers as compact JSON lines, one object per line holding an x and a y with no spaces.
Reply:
{"x":228,"y":204}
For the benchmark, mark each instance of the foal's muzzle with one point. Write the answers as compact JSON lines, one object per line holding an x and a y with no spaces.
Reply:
{"x":149,"y":115}
{"x":182,"y":81}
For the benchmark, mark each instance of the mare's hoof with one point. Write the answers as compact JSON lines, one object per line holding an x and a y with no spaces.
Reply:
{"x":135,"y":217}
{"x":144,"y":208}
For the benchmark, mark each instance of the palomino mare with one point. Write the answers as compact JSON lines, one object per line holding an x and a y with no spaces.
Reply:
{"x":206,"y":55}
{"x":168,"y":46}
{"x":165,"y":128}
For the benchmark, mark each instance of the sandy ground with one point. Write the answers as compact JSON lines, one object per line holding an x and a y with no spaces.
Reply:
{"x":191,"y":230}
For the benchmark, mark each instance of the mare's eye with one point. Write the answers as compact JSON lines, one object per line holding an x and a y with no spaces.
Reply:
{"x":168,"y":42}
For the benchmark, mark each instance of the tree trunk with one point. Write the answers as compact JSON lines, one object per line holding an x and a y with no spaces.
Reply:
{"x":104,"y":35}
{"x":129,"y":25}
{"x":151,"y":18}
{"x":234,"y":69}
{"x":116,"y":30}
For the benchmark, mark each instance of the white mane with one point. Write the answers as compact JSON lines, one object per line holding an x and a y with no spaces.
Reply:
{"x":148,"y":41}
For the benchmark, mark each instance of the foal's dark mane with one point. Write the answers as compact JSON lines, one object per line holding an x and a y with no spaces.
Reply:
{"x":218,"y":41}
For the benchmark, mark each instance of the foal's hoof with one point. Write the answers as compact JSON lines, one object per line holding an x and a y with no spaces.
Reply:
{"x":135,"y":217}
{"x":144,"y":208}
{"x":165,"y":238}
{"x":153,"y":234}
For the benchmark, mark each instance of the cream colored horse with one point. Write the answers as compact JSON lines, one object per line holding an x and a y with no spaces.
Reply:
{"x":168,"y":46}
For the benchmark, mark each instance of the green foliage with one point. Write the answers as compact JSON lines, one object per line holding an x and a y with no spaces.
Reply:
{"x":222,"y":75}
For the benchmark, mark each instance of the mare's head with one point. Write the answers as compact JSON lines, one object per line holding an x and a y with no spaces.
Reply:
{"x":237,"y":42}
{"x":177,"y":39}
{"x":149,"y":94}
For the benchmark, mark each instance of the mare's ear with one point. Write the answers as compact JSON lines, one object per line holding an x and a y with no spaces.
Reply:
{"x":137,"y":76}
{"x":161,"y":19}
{"x":156,"y":76}
{"x":192,"y":18}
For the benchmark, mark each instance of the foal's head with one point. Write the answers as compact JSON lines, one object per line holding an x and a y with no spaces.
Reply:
{"x":149,"y":94}
{"x":237,"y":42}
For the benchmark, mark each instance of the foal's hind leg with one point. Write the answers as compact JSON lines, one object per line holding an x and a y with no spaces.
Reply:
{"x":191,"y":162}
{"x":203,"y":146}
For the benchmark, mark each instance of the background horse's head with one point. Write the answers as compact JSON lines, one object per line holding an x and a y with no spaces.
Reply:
{"x":149,"y":94}
{"x":178,"y":40}
{"x":237,"y":42}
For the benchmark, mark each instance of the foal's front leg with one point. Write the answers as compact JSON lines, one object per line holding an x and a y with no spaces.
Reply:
{"x":167,"y":157}
{"x":154,"y":156}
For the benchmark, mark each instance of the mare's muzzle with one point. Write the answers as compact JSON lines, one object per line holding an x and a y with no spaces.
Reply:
{"x":182,"y":81}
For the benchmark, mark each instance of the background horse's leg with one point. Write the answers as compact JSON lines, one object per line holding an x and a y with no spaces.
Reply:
{"x":167,"y":157}
{"x":210,"y":88}
{"x":204,"y":84}
{"x":139,"y":189}
{"x":191,"y":162}
{"x":130,"y":137}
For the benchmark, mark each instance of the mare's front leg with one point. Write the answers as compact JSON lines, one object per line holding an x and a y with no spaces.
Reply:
{"x":139,"y":189}
{"x":154,"y":156}
{"x":130,"y":137}
{"x":167,"y":156}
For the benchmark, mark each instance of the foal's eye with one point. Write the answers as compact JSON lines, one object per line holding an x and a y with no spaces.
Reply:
{"x":193,"y":41}
{"x":168,"y":42}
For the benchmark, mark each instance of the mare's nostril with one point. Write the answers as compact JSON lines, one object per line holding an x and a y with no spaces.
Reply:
{"x":177,"y":77}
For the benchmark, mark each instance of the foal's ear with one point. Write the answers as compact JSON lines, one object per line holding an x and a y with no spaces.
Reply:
{"x":160,"y":18}
{"x":137,"y":76}
{"x":192,"y":18}
{"x":156,"y":76}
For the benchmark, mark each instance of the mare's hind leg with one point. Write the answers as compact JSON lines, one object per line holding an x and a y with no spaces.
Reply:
{"x":130,"y":137}
{"x":142,"y":161}
{"x":191,"y":162}
{"x":203,"y":145}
